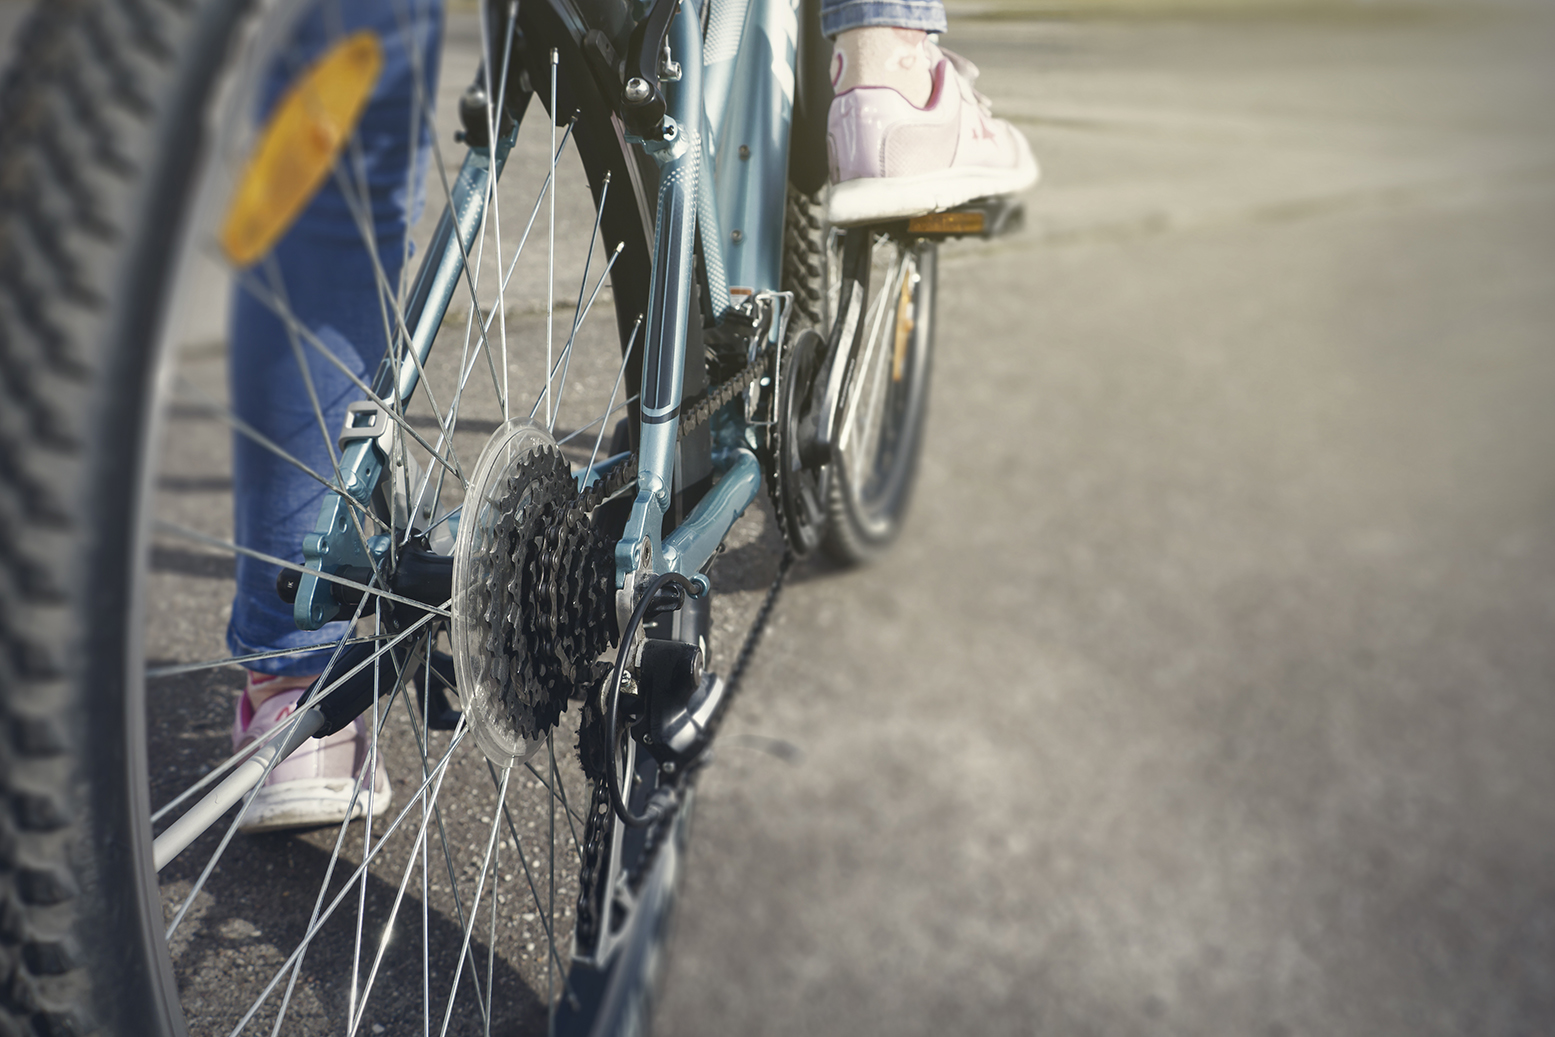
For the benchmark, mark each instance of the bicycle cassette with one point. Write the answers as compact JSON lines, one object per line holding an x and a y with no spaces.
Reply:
{"x":532,"y":593}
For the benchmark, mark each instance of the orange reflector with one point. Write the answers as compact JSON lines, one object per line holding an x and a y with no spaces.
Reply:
{"x":299,"y":145}
{"x":946,"y":223}
{"x":904,"y":326}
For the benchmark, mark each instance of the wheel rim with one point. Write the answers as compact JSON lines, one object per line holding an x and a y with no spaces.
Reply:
{"x":875,"y":443}
{"x":471,"y":872}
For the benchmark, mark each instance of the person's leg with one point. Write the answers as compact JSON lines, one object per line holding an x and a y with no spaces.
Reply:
{"x":839,"y":16}
{"x":907,"y":133}
{"x":323,"y":269}
{"x":324,"y":272}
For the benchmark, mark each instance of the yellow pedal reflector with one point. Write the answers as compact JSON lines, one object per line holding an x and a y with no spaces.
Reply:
{"x":298,"y":146}
{"x":946,"y":223}
{"x":904,"y":325}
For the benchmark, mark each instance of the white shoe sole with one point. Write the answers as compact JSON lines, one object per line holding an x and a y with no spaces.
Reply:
{"x":310,"y":803}
{"x":877,"y":199}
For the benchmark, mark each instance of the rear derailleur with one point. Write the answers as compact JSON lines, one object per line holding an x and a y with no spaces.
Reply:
{"x":659,"y":693}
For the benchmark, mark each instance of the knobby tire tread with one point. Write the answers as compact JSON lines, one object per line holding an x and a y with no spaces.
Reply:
{"x":802,"y":272}
{"x":79,"y":113}
{"x":804,"y":243}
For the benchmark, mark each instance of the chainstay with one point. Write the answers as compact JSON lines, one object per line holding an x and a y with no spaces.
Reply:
{"x":625,"y":473}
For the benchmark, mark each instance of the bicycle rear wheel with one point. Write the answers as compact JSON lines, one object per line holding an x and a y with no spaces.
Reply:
{"x":125,"y":133}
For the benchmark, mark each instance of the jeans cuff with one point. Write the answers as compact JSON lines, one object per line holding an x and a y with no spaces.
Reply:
{"x":928,"y":15}
{"x":306,"y":664}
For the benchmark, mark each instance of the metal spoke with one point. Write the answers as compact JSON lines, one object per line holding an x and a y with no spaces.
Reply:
{"x":285,"y":739}
{"x":491,"y":939}
{"x":493,"y":200}
{"x":313,"y":341}
{"x":232,"y":830}
{"x":276,"y":734}
{"x":550,"y":907}
{"x":162,"y":525}
{"x":238,"y":757}
{"x":439,"y":772}
{"x":626,"y":355}
{"x":239,"y":660}
{"x":561,"y":362}
{"x":426,"y":921}
{"x":578,"y":312}
{"x":550,"y":279}
{"x":467,"y":362}
{"x":560,"y":791}
{"x":399,"y":896}
{"x":575,"y":433}
{"x":480,"y":886}
{"x":560,"y":794}
{"x":546,"y":922}
{"x":421,"y":733}
{"x":471,"y":278}
{"x":398,"y":335}
{"x":329,"y":871}
{"x":367,"y":826}
{"x":412,"y":154}
{"x":396,"y":332}
{"x":244,"y":428}
{"x":278,"y":286}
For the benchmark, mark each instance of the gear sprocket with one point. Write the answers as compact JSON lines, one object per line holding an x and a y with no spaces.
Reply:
{"x":533,"y":601}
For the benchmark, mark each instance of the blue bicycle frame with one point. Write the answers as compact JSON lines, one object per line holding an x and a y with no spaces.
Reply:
{"x":728,"y":115}
{"x":723,"y":167}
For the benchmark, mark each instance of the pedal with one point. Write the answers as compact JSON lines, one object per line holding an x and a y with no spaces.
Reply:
{"x":985,"y":218}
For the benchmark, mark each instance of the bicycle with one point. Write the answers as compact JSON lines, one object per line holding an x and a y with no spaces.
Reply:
{"x":574,"y":595}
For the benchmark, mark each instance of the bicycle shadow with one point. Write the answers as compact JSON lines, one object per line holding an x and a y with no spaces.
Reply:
{"x":256,"y":909}
{"x":256,"y":905}
{"x":752,"y":563}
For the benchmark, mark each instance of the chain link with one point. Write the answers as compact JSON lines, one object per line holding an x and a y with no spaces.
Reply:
{"x":596,"y":839}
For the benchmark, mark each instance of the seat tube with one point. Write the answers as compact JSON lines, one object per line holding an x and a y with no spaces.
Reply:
{"x":752,"y":156}
{"x":671,"y":303}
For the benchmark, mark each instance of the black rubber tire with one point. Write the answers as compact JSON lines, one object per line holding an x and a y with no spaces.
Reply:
{"x":804,"y":247}
{"x":100,"y":131}
{"x":799,"y":495}
{"x":868,"y":497}
{"x":97,"y":128}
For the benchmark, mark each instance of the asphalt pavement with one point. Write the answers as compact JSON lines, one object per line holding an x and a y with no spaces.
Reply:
{"x":1211,"y":687}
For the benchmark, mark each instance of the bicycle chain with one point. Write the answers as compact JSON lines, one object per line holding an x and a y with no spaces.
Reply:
{"x":593,"y":740}
{"x":597,"y":826}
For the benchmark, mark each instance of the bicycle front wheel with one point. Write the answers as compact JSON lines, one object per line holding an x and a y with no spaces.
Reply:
{"x":882,"y":291}
{"x":447,"y":897}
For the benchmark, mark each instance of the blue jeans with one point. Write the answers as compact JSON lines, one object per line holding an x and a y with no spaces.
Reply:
{"x":842,"y":15}
{"x":326,"y":275}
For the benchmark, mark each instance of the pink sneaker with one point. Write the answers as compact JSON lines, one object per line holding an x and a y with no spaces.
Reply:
{"x":313,"y":785}
{"x":891,"y":159}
